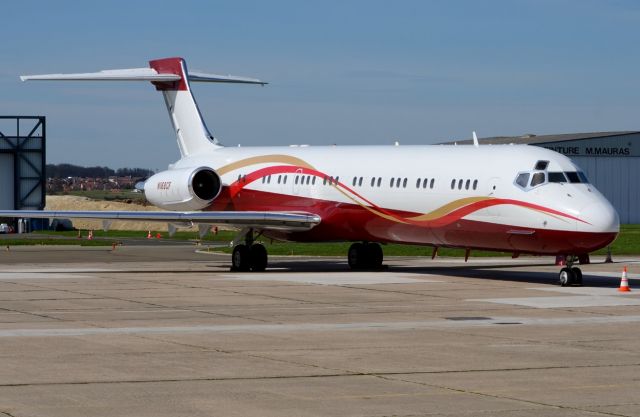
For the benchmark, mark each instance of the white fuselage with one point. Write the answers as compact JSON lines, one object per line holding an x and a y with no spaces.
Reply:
{"x":432,"y":187}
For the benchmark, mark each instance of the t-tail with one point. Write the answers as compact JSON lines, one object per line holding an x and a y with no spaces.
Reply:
{"x":171,"y":77}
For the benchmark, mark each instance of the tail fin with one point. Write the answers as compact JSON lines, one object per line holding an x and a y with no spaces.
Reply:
{"x":170,"y":76}
{"x":191,"y":130}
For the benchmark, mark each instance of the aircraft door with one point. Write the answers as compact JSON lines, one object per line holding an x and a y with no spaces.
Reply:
{"x":493,"y":191}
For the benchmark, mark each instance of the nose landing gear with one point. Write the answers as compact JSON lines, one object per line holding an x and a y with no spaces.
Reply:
{"x":570,"y":275}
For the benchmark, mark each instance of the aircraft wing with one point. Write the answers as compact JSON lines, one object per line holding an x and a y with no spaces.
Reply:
{"x":267,"y":220}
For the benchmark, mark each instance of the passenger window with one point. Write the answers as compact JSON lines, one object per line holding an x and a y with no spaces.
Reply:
{"x":475,"y":184}
{"x":324,"y":180}
{"x":424,"y":183}
{"x":467,"y":184}
{"x":313,"y":181}
{"x":379,"y":181}
{"x":373,"y":181}
{"x":360,"y":182}
{"x":557,"y":177}
{"x":453,"y":184}
{"x":279,"y":178}
{"x":537,"y":179}
{"x":398,"y":182}
{"x":354,"y":181}
{"x":459,"y":184}
{"x":404,"y":183}
{"x":391,"y":182}
{"x":418,"y":183}
{"x":432,"y":182}
{"x":523,"y":179}
{"x":337,"y":179}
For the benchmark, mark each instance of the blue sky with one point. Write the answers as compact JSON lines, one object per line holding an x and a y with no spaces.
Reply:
{"x":345,"y":72}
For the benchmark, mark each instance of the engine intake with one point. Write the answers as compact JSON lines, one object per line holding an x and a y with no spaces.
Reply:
{"x":183,"y":189}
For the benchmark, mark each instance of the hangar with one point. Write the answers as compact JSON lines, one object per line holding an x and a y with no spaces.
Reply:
{"x":22,"y":163}
{"x":611,"y":161}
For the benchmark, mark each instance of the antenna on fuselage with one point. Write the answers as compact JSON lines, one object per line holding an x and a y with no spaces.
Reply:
{"x":475,"y":139}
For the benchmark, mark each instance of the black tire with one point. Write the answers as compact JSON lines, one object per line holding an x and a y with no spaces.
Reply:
{"x":240,"y":259}
{"x":258,"y":257}
{"x":566,"y":277}
{"x":577,"y":275}
{"x":374,"y":255}
{"x":356,"y":256}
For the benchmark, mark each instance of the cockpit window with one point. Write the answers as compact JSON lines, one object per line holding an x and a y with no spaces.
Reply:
{"x":557,"y":177}
{"x":537,"y":179}
{"x":531,"y":179}
{"x":523,"y":179}
{"x":541,"y":165}
{"x":573,"y":177}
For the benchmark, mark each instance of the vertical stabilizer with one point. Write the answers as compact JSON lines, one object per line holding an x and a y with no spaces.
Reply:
{"x":191,"y":131}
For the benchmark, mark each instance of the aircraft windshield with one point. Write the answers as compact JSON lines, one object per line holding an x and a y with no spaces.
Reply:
{"x":542,"y":177}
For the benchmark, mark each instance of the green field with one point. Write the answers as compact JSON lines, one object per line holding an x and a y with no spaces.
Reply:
{"x":119,"y":195}
{"x":627,"y":243}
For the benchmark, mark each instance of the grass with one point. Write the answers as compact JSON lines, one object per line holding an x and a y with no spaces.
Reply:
{"x":44,"y":241}
{"x":120,"y":195}
{"x":627,"y":243}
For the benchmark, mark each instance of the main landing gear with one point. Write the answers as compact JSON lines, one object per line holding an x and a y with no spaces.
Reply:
{"x":249,"y":256}
{"x":570,"y":275}
{"x":365,"y":256}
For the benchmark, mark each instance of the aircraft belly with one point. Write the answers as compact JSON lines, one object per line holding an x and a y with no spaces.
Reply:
{"x":357,"y":222}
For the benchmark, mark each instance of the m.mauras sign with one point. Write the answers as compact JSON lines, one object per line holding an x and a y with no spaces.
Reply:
{"x":591,"y":150}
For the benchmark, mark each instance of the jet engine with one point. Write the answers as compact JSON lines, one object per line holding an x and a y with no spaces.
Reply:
{"x":183,"y":189}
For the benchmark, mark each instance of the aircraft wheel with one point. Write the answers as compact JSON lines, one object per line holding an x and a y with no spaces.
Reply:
{"x":356,"y":256}
{"x":258,"y":257}
{"x":374,"y":255}
{"x":566,"y":277}
{"x":577,"y":274}
{"x":240,"y":259}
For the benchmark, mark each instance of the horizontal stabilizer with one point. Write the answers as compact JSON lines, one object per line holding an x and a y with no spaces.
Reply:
{"x":141,"y":74}
{"x":132,"y":74}
{"x":255,"y":219}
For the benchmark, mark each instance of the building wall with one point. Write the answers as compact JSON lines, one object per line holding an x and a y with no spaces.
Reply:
{"x":6,"y":182}
{"x":613,"y":166}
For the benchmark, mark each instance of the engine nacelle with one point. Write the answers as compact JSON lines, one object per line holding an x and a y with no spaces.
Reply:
{"x":183,"y":189}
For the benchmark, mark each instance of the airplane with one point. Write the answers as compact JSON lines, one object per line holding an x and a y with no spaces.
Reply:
{"x":511,"y":198}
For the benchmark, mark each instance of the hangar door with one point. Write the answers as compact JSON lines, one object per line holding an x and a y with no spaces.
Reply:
{"x":6,"y":182}
{"x":22,"y":162}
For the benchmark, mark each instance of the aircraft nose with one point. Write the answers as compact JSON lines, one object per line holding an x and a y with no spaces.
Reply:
{"x":600,"y":217}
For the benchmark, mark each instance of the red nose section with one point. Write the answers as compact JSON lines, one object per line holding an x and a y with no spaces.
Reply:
{"x":170,"y":66}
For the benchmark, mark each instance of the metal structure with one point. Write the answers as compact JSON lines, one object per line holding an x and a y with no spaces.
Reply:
{"x":611,"y":160}
{"x":22,"y":162}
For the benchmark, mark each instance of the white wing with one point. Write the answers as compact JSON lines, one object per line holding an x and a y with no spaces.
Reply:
{"x":257,"y":219}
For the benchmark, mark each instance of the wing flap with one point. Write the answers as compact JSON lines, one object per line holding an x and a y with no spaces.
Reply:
{"x":257,"y":219}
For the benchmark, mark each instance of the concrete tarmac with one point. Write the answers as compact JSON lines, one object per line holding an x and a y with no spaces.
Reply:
{"x":165,"y":331}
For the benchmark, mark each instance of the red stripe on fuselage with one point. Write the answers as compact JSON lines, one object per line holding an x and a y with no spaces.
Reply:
{"x":352,"y":222}
{"x":443,"y":220}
